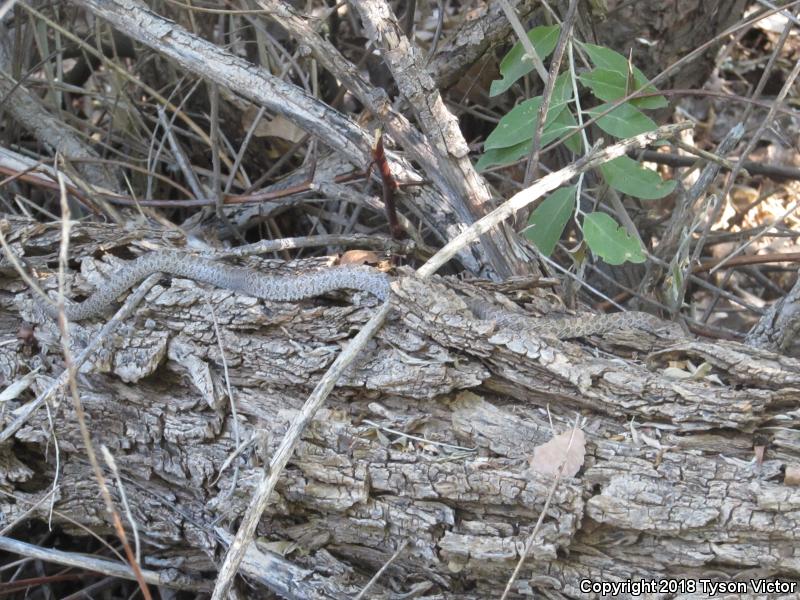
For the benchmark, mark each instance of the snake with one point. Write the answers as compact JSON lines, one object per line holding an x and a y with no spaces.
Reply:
{"x":279,"y":288}
{"x":585,"y":325}
{"x":289,"y":288}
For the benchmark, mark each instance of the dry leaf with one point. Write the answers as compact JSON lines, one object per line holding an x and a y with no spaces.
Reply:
{"x":759,"y":452}
{"x":674,"y":373}
{"x":649,"y":441}
{"x":278,"y":127}
{"x":702,"y":370}
{"x":280,"y":547}
{"x":792,"y":475}
{"x":360,"y":257}
{"x":456,"y":565}
{"x":548,"y":457}
{"x":687,"y":370}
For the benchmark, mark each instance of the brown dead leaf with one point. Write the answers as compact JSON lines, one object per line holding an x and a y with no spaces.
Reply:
{"x":278,"y":127}
{"x":360,"y":257}
{"x":759,"y":452}
{"x":280,"y":547}
{"x":548,"y":457}
{"x":687,"y":370}
{"x":792,"y":475}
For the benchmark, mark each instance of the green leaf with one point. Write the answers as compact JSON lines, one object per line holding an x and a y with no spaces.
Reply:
{"x":550,"y":218}
{"x":514,"y":132}
{"x":609,"y":241}
{"x":503,"y":156}
{"x":624,"y":121}
{"x":606,"y":58}
{"x":650,"y":102}
{"x":562,"y":90}
{"x":517,"y":64}
{"x":629,"y":177}
{"x":517,"y":126}
{"x":564,"y":123}
{"x":611,"y":85}
{"x":609,"y":60}
{"x":606,"y":85}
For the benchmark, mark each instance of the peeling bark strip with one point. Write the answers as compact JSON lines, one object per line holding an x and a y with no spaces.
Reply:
{"x":466,"y":190}
{"x":389,"y":185}
{"x":668,"y":490}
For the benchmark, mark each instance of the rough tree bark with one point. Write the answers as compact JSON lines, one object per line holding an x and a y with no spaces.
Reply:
{"x":428,"y":440}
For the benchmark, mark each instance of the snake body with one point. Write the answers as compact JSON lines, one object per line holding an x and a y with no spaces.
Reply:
{"x":280,"y":288}
{"x":575,"y":327}
{"x":288,"y":288}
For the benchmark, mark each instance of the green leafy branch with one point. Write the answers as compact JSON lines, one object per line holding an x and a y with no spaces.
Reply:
{"x":612,"y":79}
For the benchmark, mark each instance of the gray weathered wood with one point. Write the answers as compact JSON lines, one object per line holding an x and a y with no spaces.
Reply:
{"x":669,"y":487}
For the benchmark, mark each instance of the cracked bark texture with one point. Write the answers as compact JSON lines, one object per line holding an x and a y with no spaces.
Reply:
{"x":668,"y":488}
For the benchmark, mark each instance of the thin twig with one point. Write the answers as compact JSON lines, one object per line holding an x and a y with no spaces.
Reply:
{"x":71,"y":371}
{"x":530,"y":51}
{"x":381,"y":571}
{"x":258,"y":502}
{"x":96,"y":565}
{"x":216,"y":176}
{"x":237,"y":437}
{"x":65,"y":518}
{"x":751,"y":144}
{"x":179,"y":155}
{"x":754,"y":168}
{"x":417,"y":438}
{"x":121,"y":315}
{"x":112,"y":466}
{"x":540,"y":188}
{"x":22,"y":518}
{"x":542,"y":513}
{"x":547,"y":95}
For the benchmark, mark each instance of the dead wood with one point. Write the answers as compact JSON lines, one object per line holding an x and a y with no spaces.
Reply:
{"x":453,"y":172}
{"x":27,"y":109}
{"x":428,"y":439}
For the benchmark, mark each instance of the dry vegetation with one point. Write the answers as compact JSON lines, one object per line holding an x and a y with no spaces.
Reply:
{"x":431,"y":443}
